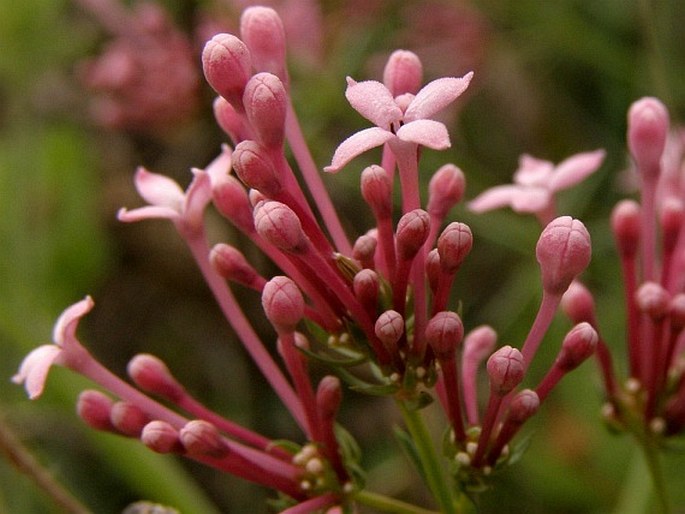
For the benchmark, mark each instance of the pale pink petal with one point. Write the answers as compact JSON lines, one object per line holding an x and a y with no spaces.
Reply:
{"x":221,"y":165}
{"x":158,"y":189}
{"x":357,"y":144}
{"x":575,"y":169}
{"x":429,"y":133}
{"x":33,"y":370}
{"x":374,"y":101}
{"x":149,"y":212}
{"x":531,"y":199}
{"x":533,"y":171}
{"x":435,"y":96}
{"x":199,"y":194}
{"x":65,"y":328}
{"x":494,"y":198}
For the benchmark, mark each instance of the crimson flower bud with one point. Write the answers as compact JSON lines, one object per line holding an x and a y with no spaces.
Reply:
{"x":200,"y":437}
{"x":364,"y":250}
{"x":648,"y":125}
{"x":652,"y":299}
{"x":625,"y":223}
{"x":524,"y":405}
{"x":329,"y":396}
{"x":278,"y":224}
{"x":231,"y":264}
{"x":283,"y":303}
{"x":376,"y":189}
{"x":266,"y":104}
{"x":578,"y":303}
{"x":506,"y":369}
{"x":454,"y":244}
{"x":366,"y":285}
{"x":444,"y":333}
{"x":231,"y":200}
{"x":253,"y":166}
{"x":227,"y":67}
{"x":563,"y":252}
{"x":578,"y":345}
{"x":389,"y":328}
{"x":433,"y":268}
{"x":128,"y":418}
{"x":94,"y":408}
{"x":153,"y":376}
{"x":161,"y":437}
{"x":263,"y":33}
{"x":403,"y":73}
{"x":677,"y":311}
{"x":412,"y":231}
{"x":445,"y":190}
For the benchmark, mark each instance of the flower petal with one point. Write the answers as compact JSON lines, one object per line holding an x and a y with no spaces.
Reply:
{"x":34,"y":369}
{"x":531,"y":199}
{"x":357,"y":144}
{"x":435,"y":96}
{"x":221,"y":165}
{"x":199,"y":194}
{"x":430,"y":133}
{"x":158,"y":189}
{"x":575,"y":169}
{"x":533,"y":171}
{"x":374,"y":101}
{"x":494,"y":198}
{"x":147,"y":213}
{"x":65,"y":329}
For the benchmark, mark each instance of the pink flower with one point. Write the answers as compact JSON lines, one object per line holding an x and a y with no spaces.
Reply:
{"x":33,"y":370}
{"x":167,"y":200}
{"x":535,"y":183}
{"x":405,"y":118}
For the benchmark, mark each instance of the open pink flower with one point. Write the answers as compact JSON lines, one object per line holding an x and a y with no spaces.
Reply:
{"x":33,"y":370}
{"x":167,"y":200}
{"x":406,"y":117}
{"x":535,"y":183}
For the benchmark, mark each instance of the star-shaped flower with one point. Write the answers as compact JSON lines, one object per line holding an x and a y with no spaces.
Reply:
{"x":535,"y":183}
{"x":167,"y":200}
{"x":405,"y":118}
{"x":66,"y":350}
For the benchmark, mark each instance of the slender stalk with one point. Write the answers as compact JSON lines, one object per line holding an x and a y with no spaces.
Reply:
{"x":433,"y":472}
{"x":387,"y":504}
{"x":651,"y":453}
{"x":635,"y":491}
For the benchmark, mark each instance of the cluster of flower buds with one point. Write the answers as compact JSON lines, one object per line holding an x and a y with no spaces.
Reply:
{"x":381,"y":302}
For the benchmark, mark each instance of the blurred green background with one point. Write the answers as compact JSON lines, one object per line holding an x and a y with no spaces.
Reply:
{"x":552,"y":79}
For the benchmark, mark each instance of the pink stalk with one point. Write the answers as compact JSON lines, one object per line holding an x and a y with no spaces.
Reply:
{"x":672,"y":213}
{"x":478,"y":344}
{"x":328,"y":399}
{"x":376,"y":189}
{"x":450,"y":382}
{"x":316,"y":504}
{"x":523,"y":406}
{"x":543,"y":319}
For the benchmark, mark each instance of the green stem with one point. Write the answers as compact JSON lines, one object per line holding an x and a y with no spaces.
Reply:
{"x":651,"y":452}
{"x":387,"y":504}
{"x":432,"y":469}
{"x":635,"y":490}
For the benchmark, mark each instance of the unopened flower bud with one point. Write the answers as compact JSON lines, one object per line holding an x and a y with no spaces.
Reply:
{"x":389,"y":328}
{"x":412,"y":231}
{"x":263,"y":33}
{"x":578,"y":303}
{"x":266,"y":103}
{"x":445,"y":190}
{"x":94,"y":408}
{"x":524,"y":405}
{"x":128,"y":418}
{"x":563,"y":251}
{"x":653,"y":299}
{"x":444,"y":333}
{"x":161,"y":437}
{"x":506,"y":369}
{"x":329,"y":396}
{"x":433,"y":269}
{"x":625,"y":223}
{"x":254,"y":167}
{"x":403,"y":73}
{"x":364,"y":250}
{"x":227,"y":67}
{"x":231,"y":200}
{"x":376,"y":189}
{"x":231,"y":264}
{"x":671,"y":219}
{"x":479,"y":343}
{"x":229,"y":120}
{"x":677,"y":311}
{"x":454,"y":244}
{"x":200,"y":437}
{"x":283,"y":303}
{"x":648,"y":125}
{"x":278,"y":224}
{"x":153,"y":376}
{"x":578,"y":345}
{"x":366,"y":285}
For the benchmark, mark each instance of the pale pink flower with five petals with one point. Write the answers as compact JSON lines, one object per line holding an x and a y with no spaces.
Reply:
{"x":535,"y":183}
{"x":66,"y":350}
{"x":404,"y":118}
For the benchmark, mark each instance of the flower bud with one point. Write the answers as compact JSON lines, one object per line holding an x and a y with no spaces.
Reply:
{"x":671,"y":219}
{"x":506,"y":369}
{"x":454,"y":244}
{"x":329,"y":396}
{"x":444,"y":333}
{"x":366,"y":285}
{"x":652,"y":299}
{"x":229,"y":120}
{"x":283,"y":303}
{"x":263,"y":33}
{"x":389,"y":328}
{"x":479,"y":343}
{"x":433,"y":269}
{"x":227,"y":67}
{"x":563,"y":252}
{"x":376,"y":189}
{"x":412,"y":231}
{"x":266,"y":104}
{"x":278,"y":224}
{"x":94,"y":408}
{"x":445,"y":190}
{"x":648,"y":125}
{"x":231,"y":200}
{"x":625,"y":223}
{"x":253,"y":166}
{"x":677,"y":311}
{"x":152,"y":376}
{"x":200,"y":437}
{"x":128,"y":418}
{"x":578,"y":345}
{"x":161,"y":437}
{"x":524,"y":405}
{"x":231,"y":264}
{"x":578,"y":303}
{"x":364,"y":250}
{"x":403,"y":73}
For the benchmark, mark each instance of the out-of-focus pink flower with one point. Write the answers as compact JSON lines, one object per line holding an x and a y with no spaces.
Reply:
{"x":535,"y":183}
{"x":34,"y":369}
